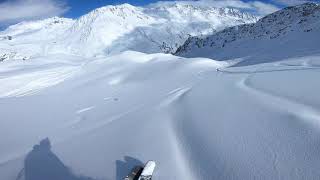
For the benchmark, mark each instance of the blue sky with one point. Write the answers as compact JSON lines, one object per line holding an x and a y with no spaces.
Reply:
{"x":14,"y":11}
{"x":80,"y":7}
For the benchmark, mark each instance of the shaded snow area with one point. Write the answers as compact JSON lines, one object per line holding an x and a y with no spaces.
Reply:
{"x":105,"y":115}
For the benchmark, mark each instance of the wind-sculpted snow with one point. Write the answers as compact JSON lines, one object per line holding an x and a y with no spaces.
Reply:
{"x":30,"y":78}
{"x":290,"y":32}
{"x":248,"y":122}
{"x":114,"y":29}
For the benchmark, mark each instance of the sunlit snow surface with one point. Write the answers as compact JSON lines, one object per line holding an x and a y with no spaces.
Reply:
{"x":250,"y":122}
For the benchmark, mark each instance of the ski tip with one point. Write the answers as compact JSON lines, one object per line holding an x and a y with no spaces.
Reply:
{"x":151,"y":164}
{"x":142,"y":172}
{"x":148,"y":169}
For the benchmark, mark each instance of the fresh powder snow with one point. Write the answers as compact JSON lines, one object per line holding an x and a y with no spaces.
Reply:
{"x":216,"y":113}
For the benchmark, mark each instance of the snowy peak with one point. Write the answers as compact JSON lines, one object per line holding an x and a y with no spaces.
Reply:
{"x":95,"y":32}
{"x":35,"y":31}
{"x":299,"y":17}
{"x":105,"y":17}
{"x":30,"y":26}
{"x":118,"y":12}
{"x":291,"y":24}
{"x":114,"y":29}
{"x":31,"y":38}
{"x":178,"y":10}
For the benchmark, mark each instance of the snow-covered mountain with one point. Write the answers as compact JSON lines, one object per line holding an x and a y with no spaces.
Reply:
{"x":31,"y":39}
{"x":292,"y":31}
{"x":113,"y":29}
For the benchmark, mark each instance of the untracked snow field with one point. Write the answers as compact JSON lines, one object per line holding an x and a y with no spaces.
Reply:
{"x":105,"y":114}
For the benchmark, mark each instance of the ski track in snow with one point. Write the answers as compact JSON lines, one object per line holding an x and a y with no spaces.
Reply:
{"x":296,"y":68}
{"x":174,"y":95}
{"x":33,"y":82}
{"x":165,"y":100}
{"x":163,"y":103}
{"x":109,"y":120}
{"x":283,"y":104}
{"x":306,"y":62}
{"x":107,"y":98}
{"x":85,"y":109}
{"x":172,"y":100}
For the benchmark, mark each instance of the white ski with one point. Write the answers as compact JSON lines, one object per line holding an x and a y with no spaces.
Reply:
{"x":147,"y":171}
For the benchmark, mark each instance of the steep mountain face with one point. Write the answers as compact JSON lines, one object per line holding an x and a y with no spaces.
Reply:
{"x":113,"y":29}
{"x":288,"y":32}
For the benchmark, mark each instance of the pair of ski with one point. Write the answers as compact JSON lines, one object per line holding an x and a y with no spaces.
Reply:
{"x":142,"y":172}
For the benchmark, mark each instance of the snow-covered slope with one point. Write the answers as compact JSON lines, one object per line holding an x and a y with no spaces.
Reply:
{"x":293,"y":31}
{"x":28,"y":39}
{"x":113,"y":29}
{"x":105,"y":115}
{"x":197,"y":118}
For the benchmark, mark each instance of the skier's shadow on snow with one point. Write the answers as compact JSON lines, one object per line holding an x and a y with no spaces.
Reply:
{"x":42,"y":164}
{"x":124,"y":167}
